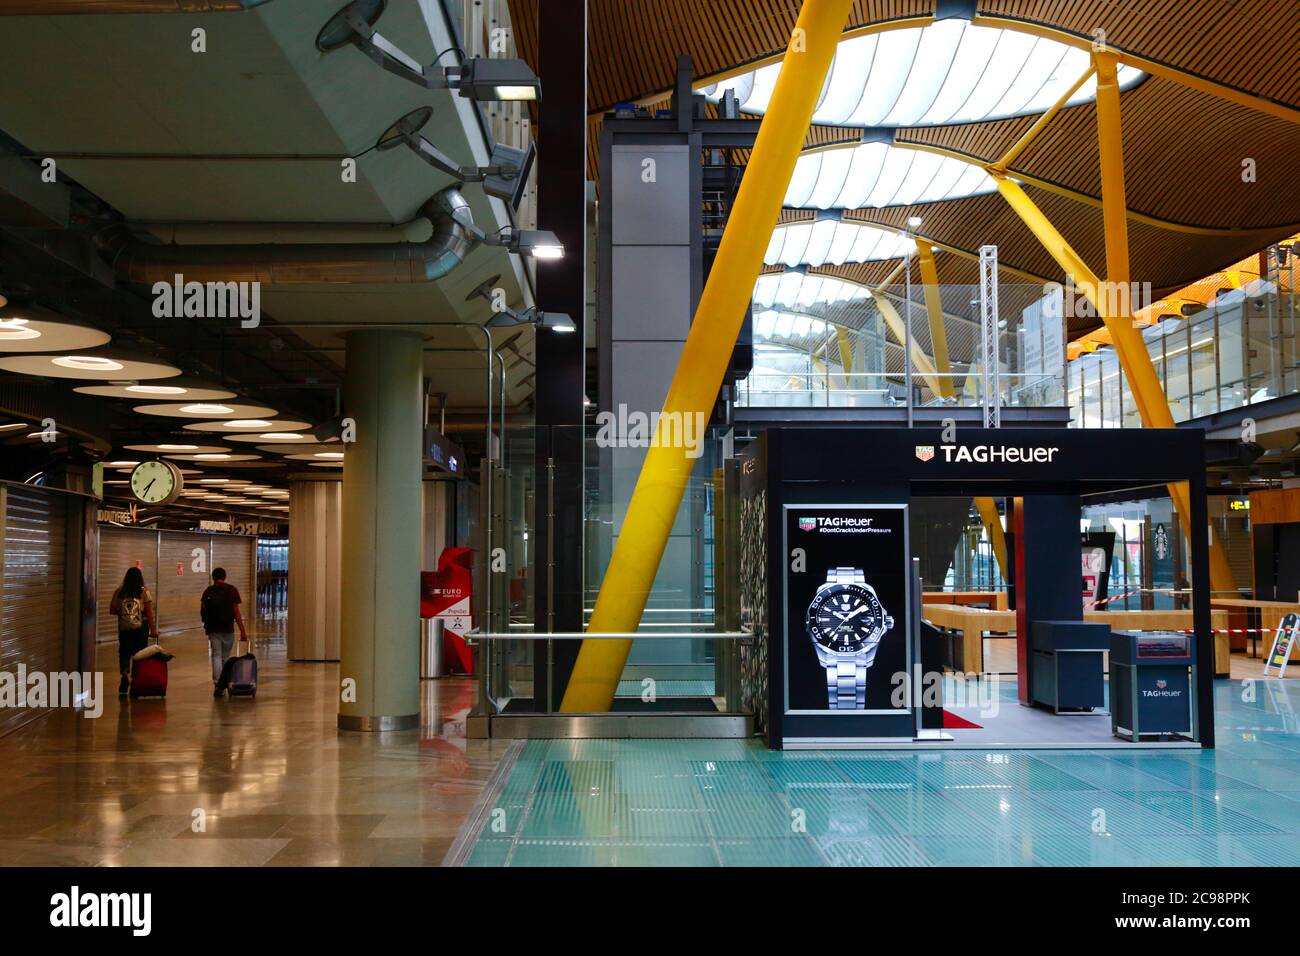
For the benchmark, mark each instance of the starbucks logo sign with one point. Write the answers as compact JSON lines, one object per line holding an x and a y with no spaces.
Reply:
{"x":1161,"y":542}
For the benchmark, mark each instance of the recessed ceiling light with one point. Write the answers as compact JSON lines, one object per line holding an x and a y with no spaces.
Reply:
{"x":328,"y":454}
{"x":121,"y":464}
{"x":89,"y":363}
{"x":50,"y":434}
{"x":211,"y":456}
{"x":247,"y":423}
{"x":13,"y":426}
{"x":156,"y":389}
{"x":16,"y":330}
{"x":178,"y":448}
{"x":204,"y":408}
{"x":281,"y":436}
{"x":213,"y":481}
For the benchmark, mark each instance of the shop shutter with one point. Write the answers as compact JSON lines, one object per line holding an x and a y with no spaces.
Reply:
{"x":32,"y":622}
{"x":119,"y":549}
{"x":235,"y":554}
{"x":179,"y":586}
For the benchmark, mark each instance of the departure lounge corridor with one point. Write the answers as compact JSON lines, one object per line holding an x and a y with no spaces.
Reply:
{"x":272,"y":780}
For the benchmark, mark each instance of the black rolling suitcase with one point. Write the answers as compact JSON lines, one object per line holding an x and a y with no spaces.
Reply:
{"x":239,"y":674}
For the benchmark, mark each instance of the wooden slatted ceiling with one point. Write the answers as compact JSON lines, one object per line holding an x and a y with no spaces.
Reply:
{"x":1184,"y":148}
{"x":1249,"y":44}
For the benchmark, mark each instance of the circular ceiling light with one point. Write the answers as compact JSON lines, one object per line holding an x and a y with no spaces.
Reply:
{"x":212,"y":458}
{"x":271,"y":438}
{"x":39,"y":330}
{"x":213,"y":481}
{"x":190,"y":389}
{"x":172,"y":448}
{"x":333,"y":456}
{"x":103,"y":365}
{"x":950,"y":71}
{"x":13,"y":426}
{"x":876,"y":175}
{"x":833,"y":241}
{"x":248,"y":425}
{"x":205,"y":410}
{"x":88,"y":363}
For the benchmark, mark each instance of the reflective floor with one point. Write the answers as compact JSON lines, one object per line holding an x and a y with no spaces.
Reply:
{"x":733,"y":803}
{"x":196,"y":781}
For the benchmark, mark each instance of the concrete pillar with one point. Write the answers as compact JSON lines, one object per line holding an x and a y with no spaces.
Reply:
{"x":380,"y":588}
{"x":315,"y":552}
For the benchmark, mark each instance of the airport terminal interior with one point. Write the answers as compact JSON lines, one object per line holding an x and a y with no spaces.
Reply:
{"x":505,"y":433}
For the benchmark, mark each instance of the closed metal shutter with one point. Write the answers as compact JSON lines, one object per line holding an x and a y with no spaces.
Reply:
{"x":32,"y":622}
{"x":179,"y":586}
{"x":235,"y":553}
{"x":119,"y":549}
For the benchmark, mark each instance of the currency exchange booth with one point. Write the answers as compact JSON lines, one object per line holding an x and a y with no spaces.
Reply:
{"x":833,"y":594}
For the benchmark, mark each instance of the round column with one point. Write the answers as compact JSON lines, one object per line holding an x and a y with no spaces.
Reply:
{"x":381,"y":540}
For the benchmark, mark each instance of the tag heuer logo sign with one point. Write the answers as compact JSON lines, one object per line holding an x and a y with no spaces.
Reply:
{"x":924,"y":452}
{"x":807,"y":524}
{"x":1162,"y":684}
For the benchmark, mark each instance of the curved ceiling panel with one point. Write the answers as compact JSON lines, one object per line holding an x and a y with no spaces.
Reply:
{"x":859,"y":175}
{"x":832,"y":242}
{"x":946,"y":72}
{"x":796,"y":290}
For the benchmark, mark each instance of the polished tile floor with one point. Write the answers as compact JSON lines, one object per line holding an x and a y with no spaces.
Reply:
{"x":733,"y":803}
{"x":271,"y":779}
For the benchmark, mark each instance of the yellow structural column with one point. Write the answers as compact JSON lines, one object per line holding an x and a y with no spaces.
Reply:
{"x":1133,"y":356}
{"x":708,"y":348}
{"x":934,"y":308}
{"x":846,"y":353}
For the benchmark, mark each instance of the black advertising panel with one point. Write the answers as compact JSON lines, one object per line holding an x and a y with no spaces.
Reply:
{"x":846,"y":613}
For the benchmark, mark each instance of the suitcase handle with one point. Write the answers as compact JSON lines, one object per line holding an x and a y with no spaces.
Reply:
{"x":235,"y":652}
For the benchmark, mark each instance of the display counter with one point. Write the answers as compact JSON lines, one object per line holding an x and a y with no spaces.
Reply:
{"x":1151,"y":679}
{"x":974,"y":623}
{"x":1262,"y":616}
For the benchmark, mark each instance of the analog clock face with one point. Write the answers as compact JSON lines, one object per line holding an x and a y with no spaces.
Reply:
{"x":153,"y":482}
{"x":842,"y":618}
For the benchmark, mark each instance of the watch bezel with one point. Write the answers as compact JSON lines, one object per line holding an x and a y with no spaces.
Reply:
{"x":876,"y":610}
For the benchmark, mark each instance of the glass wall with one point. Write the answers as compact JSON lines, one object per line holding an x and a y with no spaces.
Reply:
{"x":1240,"y":351}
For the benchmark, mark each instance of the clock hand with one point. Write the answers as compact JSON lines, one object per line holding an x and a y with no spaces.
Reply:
{"x":148,"y":486}
{"x":854,"y":613}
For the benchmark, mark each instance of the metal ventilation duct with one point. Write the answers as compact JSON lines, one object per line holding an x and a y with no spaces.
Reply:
{"x":36,"y":8}
{"x":299,"y":263}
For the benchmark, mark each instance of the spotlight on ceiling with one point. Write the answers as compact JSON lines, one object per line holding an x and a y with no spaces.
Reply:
{"x":538,"y":243}
{"x":476,"y":78}
{"x":505,"y":317}
{"x":505,"y":176}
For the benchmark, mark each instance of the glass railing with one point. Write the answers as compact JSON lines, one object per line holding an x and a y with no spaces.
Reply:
{"x":873,"y":351}
{"x":1240,"y":351}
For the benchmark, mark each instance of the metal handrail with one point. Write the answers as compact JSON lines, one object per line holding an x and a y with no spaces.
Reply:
{"x":475,"y":635}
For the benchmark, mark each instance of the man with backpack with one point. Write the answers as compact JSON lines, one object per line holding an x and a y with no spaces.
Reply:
{"x":219,"y":608}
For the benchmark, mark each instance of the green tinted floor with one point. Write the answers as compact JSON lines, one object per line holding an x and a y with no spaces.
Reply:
{"x":734,"y":803}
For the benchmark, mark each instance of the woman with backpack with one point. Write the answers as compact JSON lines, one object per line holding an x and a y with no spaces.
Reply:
{"x":136,"y":622}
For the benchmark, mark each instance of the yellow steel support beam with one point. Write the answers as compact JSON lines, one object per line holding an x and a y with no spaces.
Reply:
{"x":1131,"y":350}
{"x":988,"y":510}
{"x":934,"y":309}
{"x":708,"y":347}
{"x":846,"y":351}
{"x":1040,"y":124}
{"x":894,"y":322}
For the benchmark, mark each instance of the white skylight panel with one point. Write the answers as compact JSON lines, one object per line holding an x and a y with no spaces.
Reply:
{"x":764,"y":323}
{"x":831,"y":178}
{"x":946,"y":72}
{"x":919,"y":177}
{"x":820,"y":238}
{"x":892,"y":175}
{"x":784,"y":323}
{"x":1044,"y":58}
{"x":847,"y":239}
{"x":944,"y":181}
{"x":1009,"y":56}
{"x":968,"y":68}
{"x":930,"y":68}
{"x":780,"y":239}
{"x":848,"y":79}
{"x":889,"y":72}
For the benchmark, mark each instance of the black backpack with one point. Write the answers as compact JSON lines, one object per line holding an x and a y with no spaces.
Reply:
{"x":218,"y":610}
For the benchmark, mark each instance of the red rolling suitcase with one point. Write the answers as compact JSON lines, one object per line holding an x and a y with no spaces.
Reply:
{"x":149,"y":677}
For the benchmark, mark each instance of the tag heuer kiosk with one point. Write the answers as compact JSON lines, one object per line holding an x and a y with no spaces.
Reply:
{"x":1152,"y":681}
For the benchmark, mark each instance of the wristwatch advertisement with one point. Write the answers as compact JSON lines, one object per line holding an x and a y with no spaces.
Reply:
{"x":846,"y":607}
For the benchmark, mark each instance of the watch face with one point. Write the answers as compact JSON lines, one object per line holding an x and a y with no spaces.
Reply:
{"x":843,"y":617}
{"x":152,"y":481}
